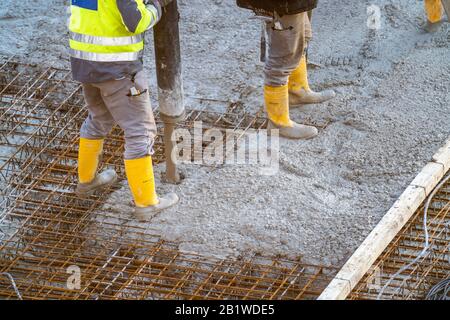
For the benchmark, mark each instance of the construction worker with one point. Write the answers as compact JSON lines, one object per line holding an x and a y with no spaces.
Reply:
{"x":106,"y":48}
{"x":286,"y":77}
{"x":435,"y":11}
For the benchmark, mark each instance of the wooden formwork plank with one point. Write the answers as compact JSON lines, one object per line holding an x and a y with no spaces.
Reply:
{"x":429,"y":177}
{"x":389,"y":226}
{"x":443,"y":156}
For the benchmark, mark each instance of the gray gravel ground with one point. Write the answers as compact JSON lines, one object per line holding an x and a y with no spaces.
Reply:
{"x":390,"y":116}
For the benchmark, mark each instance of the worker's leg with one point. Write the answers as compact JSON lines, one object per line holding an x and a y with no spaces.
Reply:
{"x":446,"y":5}
{"x":129,"y":103}
{"x":434,"y":10}
{"x":286,"y":38}
{"x":299,"y":91}
{"x":308,"y":28}
{"x":97,"y":125}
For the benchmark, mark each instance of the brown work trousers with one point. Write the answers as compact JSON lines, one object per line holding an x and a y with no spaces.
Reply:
{"x":287,"y":39}
{"x":111,"y":102}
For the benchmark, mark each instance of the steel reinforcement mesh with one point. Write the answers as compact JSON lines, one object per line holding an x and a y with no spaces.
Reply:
{"x":46,"y":232}
{"x":430,"y":269}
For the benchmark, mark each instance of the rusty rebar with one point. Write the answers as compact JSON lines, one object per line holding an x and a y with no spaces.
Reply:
{"x":45,"y":228}
{"x":432,"y":267}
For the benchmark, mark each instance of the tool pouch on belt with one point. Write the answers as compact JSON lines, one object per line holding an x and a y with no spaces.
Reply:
{"x":281,"y":7}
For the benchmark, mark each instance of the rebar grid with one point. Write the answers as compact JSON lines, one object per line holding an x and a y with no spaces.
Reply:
{"x":416,"y":281}
{"x":45,"y":229}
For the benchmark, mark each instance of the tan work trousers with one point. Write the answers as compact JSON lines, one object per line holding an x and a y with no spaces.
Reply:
{"x":287,"y":39}
{"x":113,"y":102}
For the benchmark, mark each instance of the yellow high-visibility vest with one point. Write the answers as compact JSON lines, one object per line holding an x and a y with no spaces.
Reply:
{"x":98,"y":32}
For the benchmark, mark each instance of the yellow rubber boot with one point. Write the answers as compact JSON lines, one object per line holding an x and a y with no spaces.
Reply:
{"x":141,"y":181}
{"x":299,"y":91}
{"x":299,"y":77}
{"x":277,"y":107}
{"x":434,"y":10}
{"x":142,"y":185}
{"x":88,"y":159}
{"x":89,"y":154}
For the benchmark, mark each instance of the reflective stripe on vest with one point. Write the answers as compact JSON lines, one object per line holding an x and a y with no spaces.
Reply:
{"x":106,"y":41}
{"x":106,"y":57}
{"x":98,"y":32}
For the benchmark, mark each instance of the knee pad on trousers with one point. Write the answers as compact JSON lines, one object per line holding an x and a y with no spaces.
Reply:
{"x":138,"y":147}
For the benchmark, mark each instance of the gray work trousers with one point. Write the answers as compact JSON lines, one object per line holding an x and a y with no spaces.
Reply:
{"x":111,"y":102}
{"x":287,"y":41}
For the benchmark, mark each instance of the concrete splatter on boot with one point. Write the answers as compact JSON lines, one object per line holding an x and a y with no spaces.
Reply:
{"x":102,"y":180}
{"x":142,"y":185}
{"x":277,"y":107}
{"x":89,"y":155}
{"x":295,"y":131}
{"x":299,"y":91}
{"x":165,"y":202}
